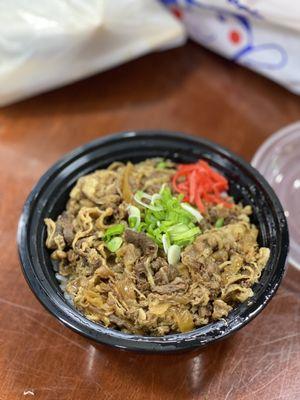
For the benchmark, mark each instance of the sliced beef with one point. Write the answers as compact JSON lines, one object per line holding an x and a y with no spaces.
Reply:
{"x":221,"y":309}
{"x":121,"y":322}
{"x":141,"y":275}
{"x":129,"y":254}
{"x":65,"y":220}
{"x":164,"y":273}
{"x":175,"y":286}
{"x":141,"y":240}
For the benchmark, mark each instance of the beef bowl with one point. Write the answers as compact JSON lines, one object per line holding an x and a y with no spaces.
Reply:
{"x":195,"y":273}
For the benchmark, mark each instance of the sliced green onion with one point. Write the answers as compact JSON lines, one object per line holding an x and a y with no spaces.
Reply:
{"x":142,"y":227}
{"x":149,"y":218}
{"x":155,"y":197}
{"x":164,"y":225}
{"x":162,"y":189}
{"x":173,"y":254}
{"x":164,"y":164}
{"x":180,"y":197}
{"x":133,"y":222}
{"x":185,"y":235}
{"x":158,"y":215}
{"x":113,"y":231}
{"x":166,"y":242}
{"x":183,"y":243}
{"x":161,"y":165}
{"x":150,"y":229}
{"x":219,"y":223}
{"x":178,"y":229}
{"x":164,"y":218}
{"x":114,"y":244}
{"x":134,"y":217}
{"x":142,"y":195}
{"x":173,"y":216}
{"x":192,"y":211}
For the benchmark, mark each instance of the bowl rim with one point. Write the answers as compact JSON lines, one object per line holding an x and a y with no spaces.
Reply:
{"x":164,"y":344}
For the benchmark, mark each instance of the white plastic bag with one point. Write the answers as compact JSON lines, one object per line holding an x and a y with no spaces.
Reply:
{"x":45,"y":44}
{"x":263,"y":35}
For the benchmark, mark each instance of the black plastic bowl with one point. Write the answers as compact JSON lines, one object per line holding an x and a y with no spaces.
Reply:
{"x":49,"y":198}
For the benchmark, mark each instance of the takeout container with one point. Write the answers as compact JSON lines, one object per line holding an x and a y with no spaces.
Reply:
{"x":278,"y":160}
{"x":49,"y":197}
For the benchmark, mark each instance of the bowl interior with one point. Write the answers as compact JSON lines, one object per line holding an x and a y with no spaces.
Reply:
{"x":49,"y":198}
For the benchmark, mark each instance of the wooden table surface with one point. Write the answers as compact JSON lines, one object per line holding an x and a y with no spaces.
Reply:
{"x":187,"y":89}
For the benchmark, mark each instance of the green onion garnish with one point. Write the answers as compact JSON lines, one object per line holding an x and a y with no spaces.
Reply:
{"x":166,"y":242}
{"x":139,"y":196}
{"x":188,"y":235}
{"x":134,"y":217}
{"x":178,"y":229}
{"x":114,"y":244}
{"x":219,"y":223}
{"x":174,"y":254}
{"x":161,"y":165}
{"x":113,"y":231}
{"x":165,"y":218}
{"x":195,"y":213}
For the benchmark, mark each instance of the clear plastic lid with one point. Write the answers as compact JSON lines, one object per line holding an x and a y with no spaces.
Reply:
{"x":278,"y":160}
